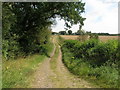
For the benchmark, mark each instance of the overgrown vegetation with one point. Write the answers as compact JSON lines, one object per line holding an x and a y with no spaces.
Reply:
{"x":93,"y":60}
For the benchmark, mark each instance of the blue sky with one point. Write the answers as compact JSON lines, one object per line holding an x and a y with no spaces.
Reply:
{"x":101,"y":16}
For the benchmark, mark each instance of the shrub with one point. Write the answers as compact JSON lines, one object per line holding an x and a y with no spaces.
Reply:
{"x":81,"y":49}
{"x":10,"y":49}
{"x":104,"y":52}
{"x":83,"y":38}
{"x":70,"y":43}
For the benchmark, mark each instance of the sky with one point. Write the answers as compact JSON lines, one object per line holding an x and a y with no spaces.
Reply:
{"x":101,"y":16}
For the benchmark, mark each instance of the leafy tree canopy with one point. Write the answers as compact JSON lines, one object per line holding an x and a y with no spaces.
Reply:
{"x":28,"y":23}
{"x":69,"y":32}
{"x":62,"y":32}
{"x":81,"y":32}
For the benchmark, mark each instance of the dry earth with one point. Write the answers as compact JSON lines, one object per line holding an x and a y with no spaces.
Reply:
{"x":58,"y":77}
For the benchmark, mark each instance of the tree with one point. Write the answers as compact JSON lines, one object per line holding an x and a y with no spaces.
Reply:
{"x":62,"y":32}
{"x":70,"y":32}
{"x":93,"y":36}
{"x":54,"y":33}
{"x":80,"y":32}
{"x":88,"y":32}
{"x":82,"y":35}
{"x":25,"y":22}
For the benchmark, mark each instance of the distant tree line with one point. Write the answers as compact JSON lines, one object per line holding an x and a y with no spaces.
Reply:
{"x":80,"y":32}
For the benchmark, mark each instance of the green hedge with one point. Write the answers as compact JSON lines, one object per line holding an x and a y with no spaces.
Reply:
{"x":93,"y":60}
{"x":94,"y":50}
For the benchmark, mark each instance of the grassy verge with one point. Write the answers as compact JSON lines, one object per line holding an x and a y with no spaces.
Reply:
{"x":18,"y":73}
{"x":60,"y":40}
{"x":53,"y":61}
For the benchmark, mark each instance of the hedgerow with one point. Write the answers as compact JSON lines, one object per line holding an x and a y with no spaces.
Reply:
{"x":93,"y":60}
{"x":94,"y":49}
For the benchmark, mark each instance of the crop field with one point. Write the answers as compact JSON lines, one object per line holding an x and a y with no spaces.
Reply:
{"x":71,"y":37}
{"x":102,"y":38}
{"x":105,"y":38}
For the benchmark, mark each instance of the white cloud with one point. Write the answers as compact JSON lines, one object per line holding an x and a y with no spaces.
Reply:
{"x":101,"y":16}
{"x":60,"y":26}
